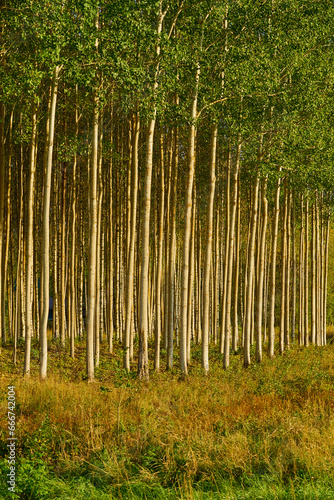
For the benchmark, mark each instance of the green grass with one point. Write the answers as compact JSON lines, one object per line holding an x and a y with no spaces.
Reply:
{"x":266,"y":432}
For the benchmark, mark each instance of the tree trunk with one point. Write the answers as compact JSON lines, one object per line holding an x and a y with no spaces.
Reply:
{"x":272,"y":287}
{"x":157,"y":332}
{"x":226,"y":260}
{"x":283,"y":268}
{"x":301,"y":277}
{"x":313,"y":279}
{"x":187,"y":230}
{"x":92,"y":246}
{"x":208,"y":251}
{"x":230,"y":253}
{"x":143,"y":370}
{"x":172,"y":253}
{"x":133,"y":220}
{"x":251,"y":274}
{"x":2,"y":206}
{"x":306,"y":245}
{"x":30,"y":242}
{"x":259,"y":305}
{"x":45,"y":265}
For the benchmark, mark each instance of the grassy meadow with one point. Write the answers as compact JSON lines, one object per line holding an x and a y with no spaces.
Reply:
{"x":266,"y":432}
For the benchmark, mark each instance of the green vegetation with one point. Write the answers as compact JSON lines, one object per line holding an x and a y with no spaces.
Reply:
{"x":265,"y":432}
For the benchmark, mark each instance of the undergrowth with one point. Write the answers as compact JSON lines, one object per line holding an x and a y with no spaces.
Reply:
{"x":265,"y":432}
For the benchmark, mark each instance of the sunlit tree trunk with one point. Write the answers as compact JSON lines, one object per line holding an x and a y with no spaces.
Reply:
{"x":261,"y":271}
{"x":172,"y":252}
{"x":283,"y":268}
{"x":208,"y":251}
{"x":92,"y":245}
{"x":191,"y":278}
{"x":216,"y":281}
{"x":2,"y":206}
{"x":251,"y":274}
{"x":294,"y":269}
{"x":30,"y":242}
{"x":325,"y":280}
{"x":301,"y":335}
{"x":229,"y":267}
{"x":287,"y":278}
{"x":8,"y":236}
{"x":158,"y":290}
{"x":226,"y":255}
{"x":306,"y":245}
{"x":73,"y":242}
{"x":45,"y":265}
{"x":322,"y":267}
{"x":133,"y":220}
{"x":97,"y":332}
{"x":110,"y":247}
{"x":143,"y":370}
{"x":55,"y":315}
{"x":187,"y":230}
{"x":272,"y":287}
{"x":313,"y":279}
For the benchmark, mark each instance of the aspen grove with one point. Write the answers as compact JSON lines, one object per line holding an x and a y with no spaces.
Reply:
{"x":166,"y":178}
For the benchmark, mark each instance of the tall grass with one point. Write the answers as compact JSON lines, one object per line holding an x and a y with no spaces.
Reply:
{"x":262,"y":432}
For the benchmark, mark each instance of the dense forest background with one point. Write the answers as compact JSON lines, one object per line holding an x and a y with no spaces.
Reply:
{"x":166,"y":177}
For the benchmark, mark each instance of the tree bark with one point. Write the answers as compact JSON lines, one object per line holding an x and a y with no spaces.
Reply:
{"x":133,"y":220}
{"x":30,"y":242}
{"x":45,"y":265}
{"x":208,"y":251}
{"x":229,"y":267}
{"x":259,"y":305}
{"x":272,"y":287}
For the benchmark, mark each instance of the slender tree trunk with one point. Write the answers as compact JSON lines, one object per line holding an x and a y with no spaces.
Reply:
{"x":55,"y":316}
{"x":216,"y":281}
{"x":45,"y":265}
{"x":226,"y":260}
{"x":251,"y":274}
{"x":143,"y":370}
{"x":2,"y":206}
{"x":318,"y":273}
{"x":30,"y":242}
{"x":287,"y":274}
{"x":157,"y":332}
{"x":110,"y":300}
{"x":322,"y":267}
{"x":97,"y":332}
{"x":133,"y":220}
{"x":306,"y":245}
{"x":283,"y":268}
{"x":259,"y":305}
{"x":191,"y":278}
{"x":172,"y":253}
{"x":272,"y":287}
{"x":187,"y":230}
{"x":235,"y":331}
{"x":92,"y":245}
{"x":208,"y":251}
{"x":294,"y":269}
{"x":301,"y":335}
{"x":313,"y":279}
{"x":229,"y":267}
{"x":325,"y":281}
{"x":73,"y":246}
{"x":8,"y":233}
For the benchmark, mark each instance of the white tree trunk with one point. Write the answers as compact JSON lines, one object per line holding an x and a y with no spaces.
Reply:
{"x":208,"y":251}
{"x":46,"y":234}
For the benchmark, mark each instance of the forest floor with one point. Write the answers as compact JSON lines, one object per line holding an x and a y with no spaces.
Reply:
{"x":265,"y":432}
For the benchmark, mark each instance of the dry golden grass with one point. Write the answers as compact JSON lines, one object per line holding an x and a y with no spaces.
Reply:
{"x":274,"y":418}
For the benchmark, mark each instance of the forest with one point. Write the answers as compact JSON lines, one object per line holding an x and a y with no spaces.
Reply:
{"x":166,"y":191}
